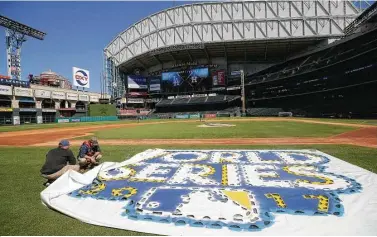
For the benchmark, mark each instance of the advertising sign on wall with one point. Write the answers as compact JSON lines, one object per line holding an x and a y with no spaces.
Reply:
{"x":63,"y":120}
{"x":218,"y":88}
{"x":135,"y":101}
{"x":48,"y":110}
{"x":182,"y":96}
{"x":5,"y":90}
{"x":72,"y":96}
{"x":16,"y":120}
{"x":194,"y":115}
{"x":42,"y":94}
{"x":137,"y":82}
{"x":128,"y":112}
{"x":192,"y":76}
{"x":28,"y":110}
{"x":219,"y":78}
{"x":199,"y":95}
{"x":210,"y":116}
{"x":17,"y":83}
{"x":81,"y":77}
{"x":182,"y":116}
{"x":23,"y":92}
{"x":83,"y":98}
{"x":94,"y":98}
{"x":154,"y":84}
{"x":139,"y":93}
{"x":58,"y":95}
{"x":6,"y":109}
{"x":173,"y":78}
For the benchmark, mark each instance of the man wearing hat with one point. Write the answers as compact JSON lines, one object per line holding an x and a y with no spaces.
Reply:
{"x":58,"y":161}
{"x":90,"y":153}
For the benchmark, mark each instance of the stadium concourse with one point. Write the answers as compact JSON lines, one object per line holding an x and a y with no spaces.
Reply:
{"x":43,"y":99}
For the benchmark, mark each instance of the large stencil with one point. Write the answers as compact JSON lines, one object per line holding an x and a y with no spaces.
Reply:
{"x":239,"y":190}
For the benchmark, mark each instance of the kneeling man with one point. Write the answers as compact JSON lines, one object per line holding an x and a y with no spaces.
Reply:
{"x":90,"y":153}
{"x":58,"y":161}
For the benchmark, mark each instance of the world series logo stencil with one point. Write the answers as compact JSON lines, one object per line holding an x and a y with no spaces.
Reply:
{"x":238,"y":190}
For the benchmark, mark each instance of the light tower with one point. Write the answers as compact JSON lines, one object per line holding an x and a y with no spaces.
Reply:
{"x":15,"y":35}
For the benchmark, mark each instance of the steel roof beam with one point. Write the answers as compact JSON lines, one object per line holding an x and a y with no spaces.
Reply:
{"x":207,"y":55}
{"x":21,"y":28}
{"x":188,"y":53}
{"x":232,"y":21}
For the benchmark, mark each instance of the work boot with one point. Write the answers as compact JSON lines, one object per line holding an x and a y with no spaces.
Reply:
{"x":48,"y":183}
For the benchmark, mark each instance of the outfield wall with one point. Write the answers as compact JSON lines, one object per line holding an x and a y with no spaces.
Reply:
{"x":87,"y":119}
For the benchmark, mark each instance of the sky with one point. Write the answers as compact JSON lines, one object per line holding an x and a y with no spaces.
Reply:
{"x":77,"y":33}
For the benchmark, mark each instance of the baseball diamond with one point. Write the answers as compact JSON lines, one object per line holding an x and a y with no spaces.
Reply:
{"x":237,"y":118}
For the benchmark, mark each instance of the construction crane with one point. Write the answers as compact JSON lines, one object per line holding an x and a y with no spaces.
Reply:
{"x":15,"y":36}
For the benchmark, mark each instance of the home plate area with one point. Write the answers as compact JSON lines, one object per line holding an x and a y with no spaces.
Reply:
{"x":216,"y":192}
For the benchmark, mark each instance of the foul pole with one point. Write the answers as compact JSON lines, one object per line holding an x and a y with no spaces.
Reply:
{"x":243,"y":93}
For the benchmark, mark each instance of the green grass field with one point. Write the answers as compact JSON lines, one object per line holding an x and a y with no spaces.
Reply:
{"x":243,"y":129}
{"x":62,"y":125}
{"x":22,"y":212}
{"x":350,"y":121}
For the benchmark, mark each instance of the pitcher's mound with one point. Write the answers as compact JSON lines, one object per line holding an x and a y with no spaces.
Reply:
{"x":215,"y":125}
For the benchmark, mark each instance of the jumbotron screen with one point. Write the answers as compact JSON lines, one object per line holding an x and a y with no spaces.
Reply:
{"x":197,"y":79}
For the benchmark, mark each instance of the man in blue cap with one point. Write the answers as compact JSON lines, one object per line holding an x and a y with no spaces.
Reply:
{"x":58,"y":161}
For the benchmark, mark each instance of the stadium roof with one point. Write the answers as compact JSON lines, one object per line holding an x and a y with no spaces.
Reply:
{"x":210,"y":29}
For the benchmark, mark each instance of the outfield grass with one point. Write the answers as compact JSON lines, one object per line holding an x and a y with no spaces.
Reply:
{"x":350,"y":121}
{"x":62,"y":125}
{"x":22,"y":213}
{"x":243,"y":129}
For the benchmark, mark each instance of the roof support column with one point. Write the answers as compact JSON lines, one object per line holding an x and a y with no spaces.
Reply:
{"x":207,"y":55}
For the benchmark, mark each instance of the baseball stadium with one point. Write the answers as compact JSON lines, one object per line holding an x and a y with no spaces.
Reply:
{"x":214,"y":118}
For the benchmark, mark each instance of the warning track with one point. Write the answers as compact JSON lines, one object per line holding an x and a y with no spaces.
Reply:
{"x":363,"y":135}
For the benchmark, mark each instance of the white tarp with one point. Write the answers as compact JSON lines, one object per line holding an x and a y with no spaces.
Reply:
{"x":240,"y":190}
